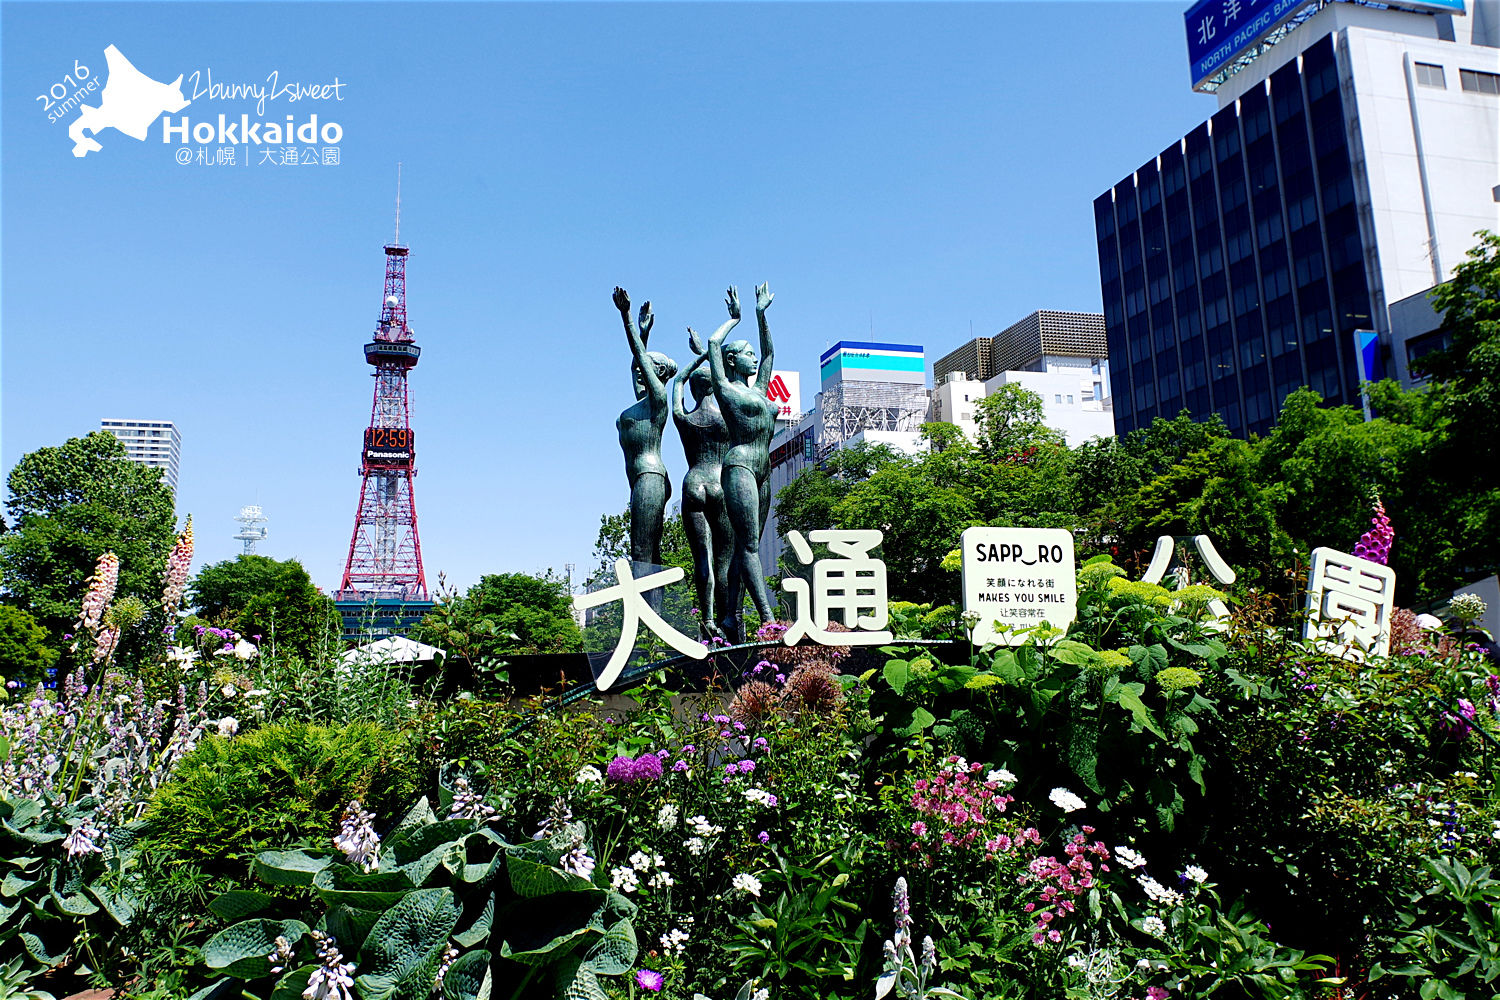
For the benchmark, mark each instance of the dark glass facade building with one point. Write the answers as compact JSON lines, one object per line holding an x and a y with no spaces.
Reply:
{"x":1232,"y":264}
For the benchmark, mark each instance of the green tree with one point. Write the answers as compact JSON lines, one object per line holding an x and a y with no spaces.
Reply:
{"x":68,"y":506}
{"x":24,"y":653}
{"x":506,"y":613}
{"x":274,"y":599}
{"x":1011,"y":423}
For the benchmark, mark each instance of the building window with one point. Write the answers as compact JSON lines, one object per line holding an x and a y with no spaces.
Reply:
{"x":1429,"y":75}
{"x":966,"y":416}
{"x":1479,"y":82}
{"x":1070,"y":397}
{"x":1057,"y":398}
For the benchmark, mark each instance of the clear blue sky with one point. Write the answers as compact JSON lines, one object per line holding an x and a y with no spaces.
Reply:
{"x":895,"y":171}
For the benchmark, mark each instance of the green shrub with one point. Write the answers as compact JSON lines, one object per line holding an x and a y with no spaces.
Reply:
{"x":277,"y":786}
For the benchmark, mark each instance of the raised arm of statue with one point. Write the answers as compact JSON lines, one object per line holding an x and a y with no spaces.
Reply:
{"x":716,"y":341}
{"x":763,"y":297}
{"x":636,"y":335}
{"x":695,"y":342}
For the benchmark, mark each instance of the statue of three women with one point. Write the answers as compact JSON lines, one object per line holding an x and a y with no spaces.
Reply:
{"x":726,"y":493}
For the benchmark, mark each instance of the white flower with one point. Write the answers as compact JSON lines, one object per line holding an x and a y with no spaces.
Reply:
{"x":759,"y":796}
{"x":228,"y":726}
{"x":666,"y":817}
{"x":357,"y":838}
{"x":747,"y":883}
{"x":1001,"y":776}
{"x":1128,"y":858}
{"x":703,"y":828}
{"x":577,"y":862}
{"x":1196,"y":874}
{"x":640,"y":862}
{"x":282,"y":956}
{"x":182,"y":655}
{"x":761,"y":994}
{"x":674,"y":941}
{"x":624,"y":879}
{"x":1156,"y":927}
{"x":1076,"y":961}
{"x":588,"y":774}
{"x":81,"y":840}
{"x":1065,"y":800}
{"x":660,"y":880}
{"x":1159,"y":893}
{"x":694,"y":845}
{"x":330,"y":980}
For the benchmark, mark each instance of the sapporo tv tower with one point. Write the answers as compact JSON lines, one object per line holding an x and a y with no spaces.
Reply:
{"x":384,"y":588}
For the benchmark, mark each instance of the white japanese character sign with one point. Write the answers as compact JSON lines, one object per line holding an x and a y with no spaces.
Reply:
{"x":853,"y":583}
{"x":1206,"y":30}
{"x":1349,"y":605}
{"x":628,"y":591}
{"x":1221,"y":571}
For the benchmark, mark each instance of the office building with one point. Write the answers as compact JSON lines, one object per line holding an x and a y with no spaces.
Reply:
{"x":1355,"y":152}
{"x":871,"y":393}
{"x":154,"y":443}
{"x":1061,"y":356}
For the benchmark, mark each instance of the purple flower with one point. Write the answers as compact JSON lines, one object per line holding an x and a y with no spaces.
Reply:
{"x":689,"y":749}
{"x":746,"y":766}
{"x":1458,"y":724}
{"x":772,"y":801}
{"x":763,"y":837}
{"x":647,"y":767}
{"x":761,"y":743}
{"x":622,"y":768}
{"x":781,"y":678}
{"x":722,"y":720}
{"x":739,"y":726}
{"x":728,"y":768}
{"x":649,"y":979}
{"x":681,"y":765}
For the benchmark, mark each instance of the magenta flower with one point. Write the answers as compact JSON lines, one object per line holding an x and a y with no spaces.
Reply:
{"x":647,"y":767}
{"x":763,"y":837}
{"x":1375,"y":544}
{"x":622,"y":768}
{"x":177,"y":570}
{"x":649,"y":979}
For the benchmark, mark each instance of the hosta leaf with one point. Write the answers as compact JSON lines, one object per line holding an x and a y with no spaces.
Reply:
{"x":417,"y":841}
{"x":237,"y":904}
{"x":288,"y":867}
{"x":468,"y":978}
{"x":479,"y":928}
{"x":38,"y":950}
{"x":121,"y":907}
{"x":340,"y":883}
{"x":291,"y":985}
{"x":448,"y":855}
{"x":242,"y":949}
{"x":420,"y":814}
{"x":531,"y":879}
{"x":578,"y":982}
{"x":402,"y":951}
{"x":350,"y":926}
{"x":615,"y":952}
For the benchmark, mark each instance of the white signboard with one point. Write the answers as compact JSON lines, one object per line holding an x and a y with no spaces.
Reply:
{"x":1019,"y":577}
{"x":785,"y":393}
{"x":1349,"y":604}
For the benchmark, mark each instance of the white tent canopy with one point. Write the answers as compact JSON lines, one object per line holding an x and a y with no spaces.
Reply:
{"x":392,"y":649}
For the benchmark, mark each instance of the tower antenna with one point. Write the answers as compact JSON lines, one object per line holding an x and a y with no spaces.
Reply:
{"x":397,"y":240}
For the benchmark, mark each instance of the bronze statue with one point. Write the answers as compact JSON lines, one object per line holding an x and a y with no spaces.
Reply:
{"x":740,"y":384}
{"x":640,"y":428}
{"x":705,"y":518}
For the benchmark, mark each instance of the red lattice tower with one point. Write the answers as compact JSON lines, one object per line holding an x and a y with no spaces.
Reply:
{"x":385,"y":552}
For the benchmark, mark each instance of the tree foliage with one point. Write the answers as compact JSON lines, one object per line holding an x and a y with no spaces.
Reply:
{"x":69,"y":505}
{"x":24,"y":652}
{"x":506,"y":613}
{"x":260,"y":596}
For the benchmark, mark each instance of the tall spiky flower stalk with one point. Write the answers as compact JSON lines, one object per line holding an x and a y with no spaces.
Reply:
{"x":177,"y":571}
{"x":1375,"y":544}
{"x":101,"y":591}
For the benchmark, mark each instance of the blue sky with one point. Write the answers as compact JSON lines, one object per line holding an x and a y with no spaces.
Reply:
{"x":900,"y":172}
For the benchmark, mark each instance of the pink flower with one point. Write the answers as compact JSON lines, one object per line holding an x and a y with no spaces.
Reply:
{"x":1155,"y":993}
{"x":919,"y":828}
{"x":177,"y":571}
{"x":649,"y":979}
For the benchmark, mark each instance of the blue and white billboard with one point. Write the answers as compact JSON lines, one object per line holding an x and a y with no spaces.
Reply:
{"x":1218,"y":31}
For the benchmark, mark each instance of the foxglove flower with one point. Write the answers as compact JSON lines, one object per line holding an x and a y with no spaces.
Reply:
{"x":1375,"y":544}
{"x":177,"y":570}
{"x":101,"y":591}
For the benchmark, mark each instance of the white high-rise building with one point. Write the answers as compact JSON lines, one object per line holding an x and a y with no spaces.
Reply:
{"x":153,"y":443}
